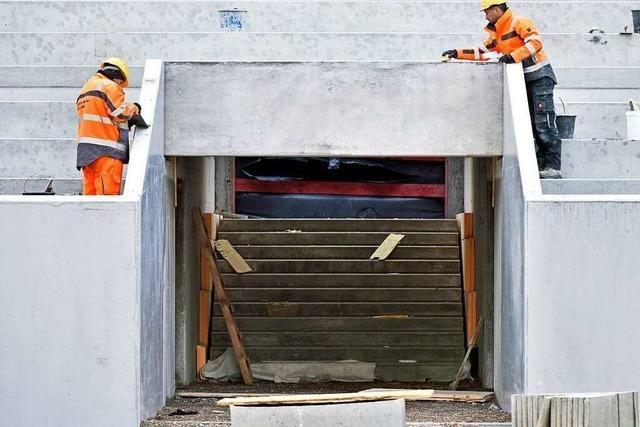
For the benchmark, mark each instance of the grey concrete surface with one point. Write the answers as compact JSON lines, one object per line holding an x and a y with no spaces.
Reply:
{"x":16,"y":186}
{"x":591,"y":186}
{"x":331,"y":109}
{"x":67,"y":76}
{"x":600,"y":76}
{"x":58,"y":94}
{"x":23,"y":158}
{"x":600,"y":120}
{"x":304,"y":16}
{"x":600,"y":159}
{"x":55,"y":119}
{"x":387,"y":413}
{"x":595,"y":94}
{"x":85,"y":48}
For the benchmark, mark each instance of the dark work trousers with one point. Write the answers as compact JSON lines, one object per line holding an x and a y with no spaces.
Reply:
{"x":543,"y":120}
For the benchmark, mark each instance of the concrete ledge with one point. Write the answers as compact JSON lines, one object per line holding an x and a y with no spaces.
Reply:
{"x":55,"y":76}
{"x":55,"y":119}
{"x":591,"y":186}
{"x":600,"y":159}
{"x":598,"y":120}
{"x":388,"y":413}
{"x":303,"y":16}
{"x":16,"y":186}
{"x":38,"y":158}
{"x":332,"y":109}
{"x":46,"y":93}
{"x":597,"y":77}
{"x":87,"y":48}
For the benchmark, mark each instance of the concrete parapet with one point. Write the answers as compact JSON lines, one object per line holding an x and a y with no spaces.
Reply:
{"x":304,"y":16}
{"x":386,"y":413}
{"x":87,"y":48}
{"x":600,"y":159}
{"x":25,"y":158}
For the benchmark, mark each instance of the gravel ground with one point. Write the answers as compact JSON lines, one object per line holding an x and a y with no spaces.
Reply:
{"x":207,"y":414}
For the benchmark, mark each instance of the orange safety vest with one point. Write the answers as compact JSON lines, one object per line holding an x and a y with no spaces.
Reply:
{"x":102,"y":121}
{"x":513,"y":35}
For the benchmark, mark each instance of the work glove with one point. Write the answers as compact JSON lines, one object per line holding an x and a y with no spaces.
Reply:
{"x":139,"y":107}
{"x":507,"y":59}
{"x":450,"y":53}
{"x":137,"y":121}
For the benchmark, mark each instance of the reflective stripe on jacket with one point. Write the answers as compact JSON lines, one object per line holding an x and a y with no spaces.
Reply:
{"x":102,"y":121}
{"x":513,"y":35}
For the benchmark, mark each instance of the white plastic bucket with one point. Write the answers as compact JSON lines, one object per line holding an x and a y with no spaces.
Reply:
{"x":633,"y":125}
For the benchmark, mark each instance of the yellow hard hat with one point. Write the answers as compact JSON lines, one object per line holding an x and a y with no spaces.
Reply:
{"x":486,"y":4}
{"x":121,"y":65}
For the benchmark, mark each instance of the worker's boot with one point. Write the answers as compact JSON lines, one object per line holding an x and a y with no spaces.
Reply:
{"x":550,"y":173}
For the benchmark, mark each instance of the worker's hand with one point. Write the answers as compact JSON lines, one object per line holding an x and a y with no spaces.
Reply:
{"x":450,"y":53}
{"x":136,"y":109}
{"x":139,"y":107}
{"x":507,"y":59}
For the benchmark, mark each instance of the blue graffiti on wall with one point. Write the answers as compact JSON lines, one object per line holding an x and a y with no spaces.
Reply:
{"x":232,"y":20}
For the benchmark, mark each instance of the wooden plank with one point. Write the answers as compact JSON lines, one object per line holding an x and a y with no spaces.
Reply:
{"x":232,"y":256}
{"x":337,"y":225}
{"x":345,"y":252}
{"x":201,"y":358}
{"x":469,"y":265}
{"x":263,"y":309}
{"x":471,"y":312}
{"x":450,"y":395}
{"x":465,"y":225}
{"x":232,"y":327}
{"x":346,"y":324}
{"x":318,"y":295}
{"x":346,"y":280}
{"x":336,"y":238}
{"x":204,"y":317}
{"x":386,"y":247}
{"x":348,"y":266}
{"x":206,"y":282}
{"x":325,"y":398}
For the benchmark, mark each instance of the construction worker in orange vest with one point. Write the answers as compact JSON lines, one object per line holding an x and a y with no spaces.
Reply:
{"x":103,"y":128}
{"x":518,"y":40}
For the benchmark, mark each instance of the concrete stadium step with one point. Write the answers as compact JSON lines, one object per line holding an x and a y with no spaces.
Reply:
{"x":591,"y":186}
{"x":303,"y":16}
{"x":22,"y":158}
{"x":313,"y":300}
{"x":315,"y":225}
{"x":83,"y":48}
{"x":343,"y":339}
{"x":348,"y":266}
{"x":598,"y":120}
{"x":16,"y":186}
{"x":599,"y":159}
{"x":54,"y":94}
{"x":597,"y":95}
{"x":56,"y":76}
{"x":597,"y":77}
{"x":344,"y":324}
{"x":345,"y":309}
{"x":316,"y":280}
{"x":329,"y":238}
{"x":363,"y":294}
{"x":342,"y":252}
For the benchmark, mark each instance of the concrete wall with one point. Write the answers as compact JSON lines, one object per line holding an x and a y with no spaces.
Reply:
{"x":85,"y":301}
{"x":302,"y":16}
{"x":567,"y":288}
{"x":68,"y":48}
{"x":345,"y":109}
{"x":600,"y":159}
{"x":38,"y":158}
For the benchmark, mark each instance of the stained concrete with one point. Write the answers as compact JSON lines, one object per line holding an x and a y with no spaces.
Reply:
{"x":87,"y":48}
{"x":316,"y":109}
{"x":305,"y":16}
{"x":600,"y":159}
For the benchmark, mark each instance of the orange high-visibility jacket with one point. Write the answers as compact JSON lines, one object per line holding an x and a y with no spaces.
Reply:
{"x":102,"y":121}
{"x":513,"y":35}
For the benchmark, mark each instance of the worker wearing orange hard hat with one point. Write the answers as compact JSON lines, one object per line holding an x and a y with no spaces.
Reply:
{"x":103,"y":128}
{"x":518,"y":41}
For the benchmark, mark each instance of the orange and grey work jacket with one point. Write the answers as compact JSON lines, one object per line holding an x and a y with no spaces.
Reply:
{"x":518,"y":37}
{"x":102,"y":121}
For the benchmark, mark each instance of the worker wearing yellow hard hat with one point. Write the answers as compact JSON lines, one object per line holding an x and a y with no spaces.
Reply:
{"x":517,"y":40}
{"x":104,"y":119}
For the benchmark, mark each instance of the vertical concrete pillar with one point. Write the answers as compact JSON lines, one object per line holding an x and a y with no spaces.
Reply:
{"x":454,"y":167}
{"x":225,"y":172}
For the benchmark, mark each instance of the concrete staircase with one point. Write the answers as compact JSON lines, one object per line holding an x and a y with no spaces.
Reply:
{"x":314,"y":295}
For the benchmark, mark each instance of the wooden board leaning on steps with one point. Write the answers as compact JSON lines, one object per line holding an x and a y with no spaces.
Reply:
{"x":221,"y":294}
{"x":204,"y":298}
